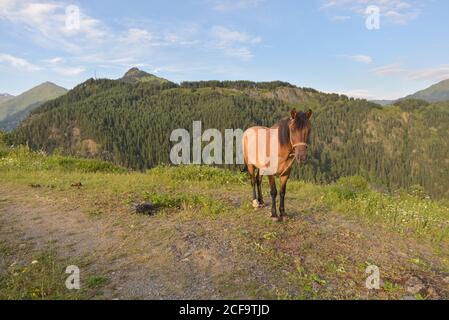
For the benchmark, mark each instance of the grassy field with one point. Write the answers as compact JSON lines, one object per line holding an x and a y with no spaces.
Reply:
{"x":205,"y":240}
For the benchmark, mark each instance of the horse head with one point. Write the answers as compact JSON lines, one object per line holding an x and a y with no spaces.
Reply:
{"x":300,"y":128}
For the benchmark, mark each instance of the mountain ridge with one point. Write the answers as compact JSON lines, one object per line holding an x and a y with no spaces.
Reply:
{"x":438,"y":92}
{"x":15,"y":109}
{"x":435,"y":93}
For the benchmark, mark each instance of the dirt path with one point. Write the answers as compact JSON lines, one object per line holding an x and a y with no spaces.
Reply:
{"x":174,"y":257}
{"x":136,"y":264}
{"x":50,"y":225}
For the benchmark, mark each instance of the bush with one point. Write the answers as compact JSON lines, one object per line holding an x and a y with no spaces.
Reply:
{"x":351,"y":187}
{"x":403,"y":212}
{"x":355,"y":183}
{"x":85,"y":165}
{"x":3,"y":151}
{"x":418,"y":191}
{"x":200,"y":173}
{"x":24,"y":159}
{"x":204,"y":204}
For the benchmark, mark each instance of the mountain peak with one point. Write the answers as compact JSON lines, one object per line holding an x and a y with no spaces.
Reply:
{"x":136,"y":75}
{"x":135,"y":72}
{"x":15,"y":109}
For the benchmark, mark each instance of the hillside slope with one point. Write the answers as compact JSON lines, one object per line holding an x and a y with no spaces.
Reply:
{"x":130,"y":124}
{"x":14,"y":110}
{"x":435,"y":93}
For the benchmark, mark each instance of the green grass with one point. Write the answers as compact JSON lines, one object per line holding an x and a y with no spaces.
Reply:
{"x":185,"y":201}
{"x":22,"y":159}
{"x":200,"y":173}
{"x":201,"y":188}
{"x":41,"y":277}
{"x":96,"y":282}
{"x":402,"y":212}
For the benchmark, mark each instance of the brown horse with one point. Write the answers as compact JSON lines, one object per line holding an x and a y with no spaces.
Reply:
{"x":272,"y":152}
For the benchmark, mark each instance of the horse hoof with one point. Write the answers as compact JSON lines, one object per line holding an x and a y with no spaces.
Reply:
{"x":262,"y":204}
{"x":256,"y":204}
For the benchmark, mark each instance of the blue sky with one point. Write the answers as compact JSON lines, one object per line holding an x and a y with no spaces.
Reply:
{"x":323,"y":44}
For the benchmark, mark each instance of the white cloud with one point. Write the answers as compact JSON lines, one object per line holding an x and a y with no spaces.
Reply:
{"x":357,"y":93}
{"x":395,"y":11}
{"x":18,"y":63}
{"x":233,"y":43}
{"x":362,"y":58}
{"x":46,"y":21}
{"x":391,"y":69}
{"x":226,"y":36}
{"x":97,"y":45}
{"x":138,"y":36}
{"x":53,"y":61}
{"x":372,"y":94}
{"x":231,"y":5}
{"x":437,"y":73}
{"x":69,"y":71}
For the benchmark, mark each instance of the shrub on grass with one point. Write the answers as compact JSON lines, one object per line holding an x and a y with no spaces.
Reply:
{"x":24,"y":159}
{"x":201,"y":203}
{"x":200,"y":173}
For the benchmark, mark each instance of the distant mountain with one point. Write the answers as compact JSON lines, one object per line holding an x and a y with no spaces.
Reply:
{"x":384,"y":102}
{"x":135,"y":75}
{"x":5,"y":97}
{"x":436,"y":93}
{"x":14,"y":109}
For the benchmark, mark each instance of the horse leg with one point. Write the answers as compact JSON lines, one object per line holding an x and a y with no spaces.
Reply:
{"x":252,"y":173}
{"x":259,"y":189}
{"x":284,"y":180}
{"x":274,"y":194}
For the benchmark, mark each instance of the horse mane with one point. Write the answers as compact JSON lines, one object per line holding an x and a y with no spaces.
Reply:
{"x":284,"y":132}
{"x":301,"y":122}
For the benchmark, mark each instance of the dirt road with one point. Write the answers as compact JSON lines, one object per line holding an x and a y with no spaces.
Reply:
{"x":182,"y":256}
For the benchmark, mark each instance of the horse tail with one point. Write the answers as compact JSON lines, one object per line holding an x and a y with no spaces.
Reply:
{"x":244,"y":169}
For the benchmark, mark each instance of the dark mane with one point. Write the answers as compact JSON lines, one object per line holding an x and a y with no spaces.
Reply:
{"x":301,"y":122}
{"x":284,"y":132}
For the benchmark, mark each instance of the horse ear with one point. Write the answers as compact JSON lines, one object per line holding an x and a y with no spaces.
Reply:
{"x":309,"y":114}
{"x":293,"y":114}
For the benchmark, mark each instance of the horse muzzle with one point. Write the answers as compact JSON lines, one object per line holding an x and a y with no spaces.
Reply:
{"x":301,"y":160}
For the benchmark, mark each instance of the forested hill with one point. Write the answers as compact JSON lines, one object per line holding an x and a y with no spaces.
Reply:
{"x":130,"y":122}
{"x":437,"y":92}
